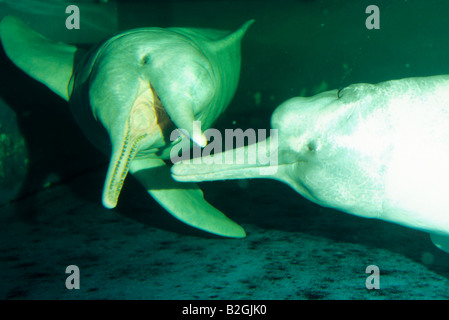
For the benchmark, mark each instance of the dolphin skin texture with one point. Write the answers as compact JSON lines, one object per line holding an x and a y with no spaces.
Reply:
{"x":128,"y":93}
{"x":375,"y":151}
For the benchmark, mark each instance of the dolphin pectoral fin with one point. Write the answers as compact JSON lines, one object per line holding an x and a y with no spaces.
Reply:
{"x":441,"y":242}
{"x":184,"y":201}
{"x":46,"y":61}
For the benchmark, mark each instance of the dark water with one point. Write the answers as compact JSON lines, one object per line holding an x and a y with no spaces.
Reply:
{"x":52,"y":178}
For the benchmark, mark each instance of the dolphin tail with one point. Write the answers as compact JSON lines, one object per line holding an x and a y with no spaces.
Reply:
{"x":46,"y":61}
{"x":184,"y":201}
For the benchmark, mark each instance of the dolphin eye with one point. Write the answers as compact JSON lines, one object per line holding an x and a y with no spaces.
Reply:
{"x":145,"y":59}
{"x":311,"y":146}
{"x":339,"y":93}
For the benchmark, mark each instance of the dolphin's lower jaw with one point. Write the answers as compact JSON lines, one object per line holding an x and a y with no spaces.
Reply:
{"x":118,"y":170}
{"x":188,"y":171}
{"x":240,"y":163}
{"x":144,"y":129}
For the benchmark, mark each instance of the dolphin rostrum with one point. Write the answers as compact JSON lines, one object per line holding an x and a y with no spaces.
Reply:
{"x":129,"y":92}
{"x":375,"y":151}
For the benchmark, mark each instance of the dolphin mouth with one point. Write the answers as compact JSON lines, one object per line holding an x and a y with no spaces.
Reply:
{"x":144,"y":132}
{"x":188,"y":172}
{"x":120,"y":168}
{"x":217,"y":167}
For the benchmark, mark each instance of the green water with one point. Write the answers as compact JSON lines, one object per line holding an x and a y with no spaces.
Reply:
{"x":294,"y":249}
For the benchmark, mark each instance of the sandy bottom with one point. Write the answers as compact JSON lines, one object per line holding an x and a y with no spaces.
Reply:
{"x":294,"y":249}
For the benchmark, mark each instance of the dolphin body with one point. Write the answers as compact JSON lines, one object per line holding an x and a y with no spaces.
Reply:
{"x":130,"y":92}
{"x":375,"y":151}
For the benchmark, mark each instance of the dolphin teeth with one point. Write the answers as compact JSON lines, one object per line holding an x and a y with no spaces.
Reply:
{"x":118,"y":170}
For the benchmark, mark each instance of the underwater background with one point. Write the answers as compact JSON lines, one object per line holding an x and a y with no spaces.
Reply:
{"x":51,"y":177}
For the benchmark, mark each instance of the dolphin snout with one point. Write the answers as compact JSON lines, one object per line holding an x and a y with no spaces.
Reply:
{"x":142,"y":132}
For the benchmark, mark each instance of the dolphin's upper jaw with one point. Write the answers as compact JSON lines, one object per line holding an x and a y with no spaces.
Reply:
{"x":290,"y":163}
{"x":241,"y":163}
{"x":143,"y":133}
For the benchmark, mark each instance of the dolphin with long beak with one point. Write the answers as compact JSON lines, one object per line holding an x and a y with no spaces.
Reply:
{"x":130,"y":92}
{"x":372,"y":150}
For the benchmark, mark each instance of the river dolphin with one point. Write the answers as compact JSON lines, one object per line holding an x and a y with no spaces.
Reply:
{"x":128,"y":93}
{"x":372,"y":150}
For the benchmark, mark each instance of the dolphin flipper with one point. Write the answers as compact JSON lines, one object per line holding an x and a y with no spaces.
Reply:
{"x":184,"y":201}
{"x":47,"y":61}
{"x":440,"y":241}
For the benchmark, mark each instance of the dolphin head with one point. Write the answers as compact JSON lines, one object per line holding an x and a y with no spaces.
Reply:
{"x":182,"y":76}
{"x":304,"y":129}
{"x":138,"y":92}
{"x":142,"y":84}
{"x":304,"y":142}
